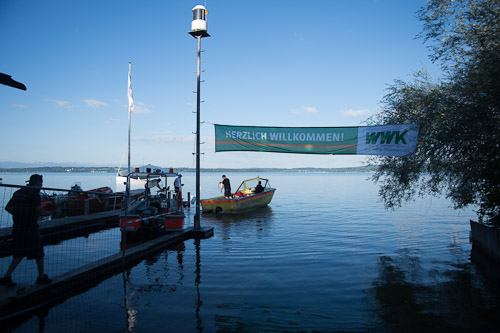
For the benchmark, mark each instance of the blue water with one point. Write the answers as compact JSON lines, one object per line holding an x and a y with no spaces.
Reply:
{"x":324,"y":256}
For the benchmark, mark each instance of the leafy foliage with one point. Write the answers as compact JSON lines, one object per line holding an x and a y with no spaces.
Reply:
{"x":458,"y":151}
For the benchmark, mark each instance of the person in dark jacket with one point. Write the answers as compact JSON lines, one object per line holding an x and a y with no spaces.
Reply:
{"x":259,"y":188}
{"x":27,"y":240}
{"x":226,"y":185}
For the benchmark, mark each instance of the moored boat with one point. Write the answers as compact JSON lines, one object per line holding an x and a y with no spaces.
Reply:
{"x":140,"y":172}
{"x":79,"y":202}
{"x":246,"y":198}
{"x":160,"y":208}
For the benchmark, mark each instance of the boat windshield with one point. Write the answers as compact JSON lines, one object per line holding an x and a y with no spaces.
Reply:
{"x":249,"y":185}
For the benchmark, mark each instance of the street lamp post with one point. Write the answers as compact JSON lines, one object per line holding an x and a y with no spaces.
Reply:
{"x":198,"y":31}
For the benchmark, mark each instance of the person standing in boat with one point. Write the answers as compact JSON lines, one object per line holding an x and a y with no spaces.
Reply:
{"x":177,"y":184}
{"x":226,"y":185}
{"x":26,"y":208}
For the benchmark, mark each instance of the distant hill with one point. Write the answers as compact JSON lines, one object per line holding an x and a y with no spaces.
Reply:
{"x":45,"y":169}
{"x":19,"y":165}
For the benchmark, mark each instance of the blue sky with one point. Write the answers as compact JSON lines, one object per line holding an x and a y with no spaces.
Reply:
{"x":271,"y":63}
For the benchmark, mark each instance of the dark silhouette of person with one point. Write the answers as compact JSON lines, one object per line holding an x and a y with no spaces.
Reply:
{"x":259,"y":188}
{"x":27,"y":241}
{"x":226,"y":185}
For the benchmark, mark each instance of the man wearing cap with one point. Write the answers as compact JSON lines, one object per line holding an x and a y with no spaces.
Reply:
{"x":27,"y":240}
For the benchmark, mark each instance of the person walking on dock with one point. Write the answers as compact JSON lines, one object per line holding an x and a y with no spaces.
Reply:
{"x":226,"y":185}
{"x":27,"y":241}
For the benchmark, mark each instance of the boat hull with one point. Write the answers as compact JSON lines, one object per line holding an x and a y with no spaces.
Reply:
{"x":237,"y":205}
{"x":172,"y":221}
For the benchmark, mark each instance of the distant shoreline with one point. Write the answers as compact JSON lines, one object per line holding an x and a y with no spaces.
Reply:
{"x":69,"y":169}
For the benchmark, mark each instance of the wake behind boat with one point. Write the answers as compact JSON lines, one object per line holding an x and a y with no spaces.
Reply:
{"x":247,"y":197}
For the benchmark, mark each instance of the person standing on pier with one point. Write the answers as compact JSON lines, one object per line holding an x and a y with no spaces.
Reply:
{"x":226,"y":185}
{"x":27,"y":241}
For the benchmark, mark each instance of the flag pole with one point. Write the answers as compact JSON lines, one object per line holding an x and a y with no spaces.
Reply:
{"x":130,"y":108}
{"x":127,"y":198}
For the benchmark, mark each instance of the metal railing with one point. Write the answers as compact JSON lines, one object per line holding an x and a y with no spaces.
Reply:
{"x":84,"y":229}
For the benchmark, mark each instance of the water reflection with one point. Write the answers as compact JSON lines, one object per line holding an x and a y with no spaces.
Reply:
{"x":130,"y":312}
{"x":257,"y":221}
{"x":490,"y":268}
{"x":411,"y":297}
{"x":197,"y":281}
{"x":159,"y":276}
{"x":155,"y":284}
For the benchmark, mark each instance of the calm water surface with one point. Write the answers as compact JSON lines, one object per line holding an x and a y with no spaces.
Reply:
{"x":325,"y":256}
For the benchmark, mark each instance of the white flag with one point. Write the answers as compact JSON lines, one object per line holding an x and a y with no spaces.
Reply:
{"x":130,"y":98}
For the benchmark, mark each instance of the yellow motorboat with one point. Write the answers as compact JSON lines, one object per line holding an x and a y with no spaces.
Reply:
{"x":248,"y":196}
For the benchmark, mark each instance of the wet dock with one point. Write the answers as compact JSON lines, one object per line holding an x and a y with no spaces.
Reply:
{"x":23,"y":299}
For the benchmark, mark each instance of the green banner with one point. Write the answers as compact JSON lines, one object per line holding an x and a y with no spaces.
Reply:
{"x":390,"y":140}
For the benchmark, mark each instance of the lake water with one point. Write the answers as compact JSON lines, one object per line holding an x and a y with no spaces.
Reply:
{"x":324,"y":256}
